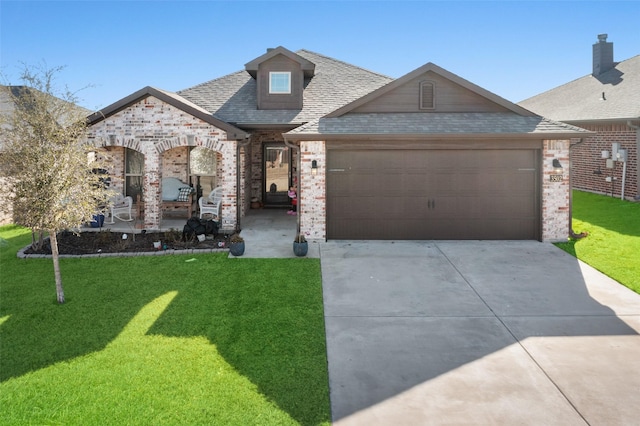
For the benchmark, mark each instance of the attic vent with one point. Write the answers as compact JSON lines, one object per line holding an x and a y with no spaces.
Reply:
{"x":427,"y":95}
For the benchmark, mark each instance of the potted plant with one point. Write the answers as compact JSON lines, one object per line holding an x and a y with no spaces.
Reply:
{"x":236,"y":245}
{"x":97,"y":221}
{"x":300,"y":245}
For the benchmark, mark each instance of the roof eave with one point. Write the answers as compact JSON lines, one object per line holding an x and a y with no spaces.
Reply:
{"x":233,"y":133}
{"x":434,"y":136}
{"x":268,"y":126}
{"x":620,"y":120}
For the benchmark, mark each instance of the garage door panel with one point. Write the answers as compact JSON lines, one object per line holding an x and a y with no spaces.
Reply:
{"x":497,"y":206}
{"x":433,"y":194}
{"x":415,"y":207}
{"x":416,"y":184}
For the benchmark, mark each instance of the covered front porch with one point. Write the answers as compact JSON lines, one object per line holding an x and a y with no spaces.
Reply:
{"x":268,"y":233}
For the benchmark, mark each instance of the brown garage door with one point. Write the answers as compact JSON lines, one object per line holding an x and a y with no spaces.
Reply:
{"x":433,"y":194}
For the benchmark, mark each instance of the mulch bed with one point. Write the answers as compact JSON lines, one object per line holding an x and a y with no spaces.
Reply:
{"x":116,"y":242}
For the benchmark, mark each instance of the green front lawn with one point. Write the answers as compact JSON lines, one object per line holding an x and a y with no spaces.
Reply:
{"x":199,"y":339}
{"x":195,"y":339}
{"x":613,"y":243}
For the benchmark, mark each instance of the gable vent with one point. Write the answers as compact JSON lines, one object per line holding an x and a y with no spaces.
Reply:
{"x":427,"y":95}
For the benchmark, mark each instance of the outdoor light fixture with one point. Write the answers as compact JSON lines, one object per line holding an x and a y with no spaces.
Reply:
{"x":314,"y":167}
{"x":557,"y":167}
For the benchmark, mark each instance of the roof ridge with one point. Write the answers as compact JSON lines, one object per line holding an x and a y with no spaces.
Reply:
{"x":210,"y":81}
{"x":297,"y":52}
{"x":344,"y":63}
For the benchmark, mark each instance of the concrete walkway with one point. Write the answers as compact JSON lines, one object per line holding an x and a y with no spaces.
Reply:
{"x":270,"y":233}
{"x":481,"y":333}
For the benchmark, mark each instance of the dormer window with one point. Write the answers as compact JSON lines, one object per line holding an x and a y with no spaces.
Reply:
{"x":279,"y":82}
{"x":280,"y":78}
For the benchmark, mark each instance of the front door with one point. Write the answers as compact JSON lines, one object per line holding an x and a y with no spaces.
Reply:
{"x":277,"y":174}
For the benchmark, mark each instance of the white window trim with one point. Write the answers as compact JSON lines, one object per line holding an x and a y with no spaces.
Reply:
{"x":279,"y":92}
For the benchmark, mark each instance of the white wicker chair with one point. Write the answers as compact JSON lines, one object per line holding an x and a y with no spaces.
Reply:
{"x":212,"y":204}
{"x":207,"y":207}
{"x":120,"y":206}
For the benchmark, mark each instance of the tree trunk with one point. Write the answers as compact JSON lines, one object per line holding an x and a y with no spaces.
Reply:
{"x":37,"y":245}
{"x":56,"y":266}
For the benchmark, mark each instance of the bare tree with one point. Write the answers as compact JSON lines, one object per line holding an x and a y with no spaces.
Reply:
{"x":52,"y":181}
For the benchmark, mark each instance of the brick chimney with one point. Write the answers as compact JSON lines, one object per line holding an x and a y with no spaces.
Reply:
{"x":602,"y":55}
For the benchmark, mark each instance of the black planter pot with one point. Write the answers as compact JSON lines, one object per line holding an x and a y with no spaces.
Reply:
{"x":237,"y":249}
{"x":300,"y":249}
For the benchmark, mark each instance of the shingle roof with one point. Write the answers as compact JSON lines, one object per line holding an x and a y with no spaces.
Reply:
{"x":172,"y":99}
{"x":581,"y":99}
{"x":432,"y":125}
{"x":232,"y":98}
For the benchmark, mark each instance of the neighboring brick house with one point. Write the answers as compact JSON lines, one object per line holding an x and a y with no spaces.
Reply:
{"x":607,"y":102}
{"x":426,"y":156}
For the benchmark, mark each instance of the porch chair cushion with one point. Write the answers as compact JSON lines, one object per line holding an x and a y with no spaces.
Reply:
{"x":184,"y":192}
{"x":171,"y":188}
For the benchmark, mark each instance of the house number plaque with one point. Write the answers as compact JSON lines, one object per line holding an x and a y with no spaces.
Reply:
{"x":555,"y":178}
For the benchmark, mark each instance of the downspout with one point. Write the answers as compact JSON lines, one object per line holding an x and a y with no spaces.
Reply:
{"x":637,"y":129}
{"x":239,"y":145}
{"x":624,"y":178}
{"x":297,"y":148}
{"x":572,"y":233}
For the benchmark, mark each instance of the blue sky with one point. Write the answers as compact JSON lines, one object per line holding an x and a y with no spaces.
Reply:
{"x":515,"y":49}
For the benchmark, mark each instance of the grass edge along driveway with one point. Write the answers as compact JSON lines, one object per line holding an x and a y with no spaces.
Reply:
{"x":613,"y":243}
{"x":184,"y":339}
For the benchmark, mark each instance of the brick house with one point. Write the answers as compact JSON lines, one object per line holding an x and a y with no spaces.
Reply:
{"x":426,"y":156}
{"x":607,"y":102}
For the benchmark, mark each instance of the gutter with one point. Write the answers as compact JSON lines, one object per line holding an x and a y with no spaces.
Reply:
{"x":435,"y":136}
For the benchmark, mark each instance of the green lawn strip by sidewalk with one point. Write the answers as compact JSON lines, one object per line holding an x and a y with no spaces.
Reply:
{"x":161,"y":340}
{"x":613,"y":243}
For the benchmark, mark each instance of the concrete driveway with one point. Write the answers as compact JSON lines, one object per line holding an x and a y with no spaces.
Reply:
{"x":457,"y":333}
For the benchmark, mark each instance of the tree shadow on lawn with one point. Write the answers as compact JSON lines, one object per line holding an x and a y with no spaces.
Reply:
{"x":266,"y":320}
{"x":268,"y":323}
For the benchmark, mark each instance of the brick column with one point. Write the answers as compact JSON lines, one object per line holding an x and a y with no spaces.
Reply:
{"x":555,"y":194}
{"x":228,"y":181}
{"x":313,"y":210}
{"x":151,"y":190}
